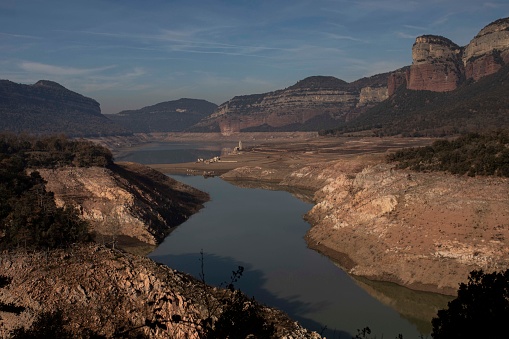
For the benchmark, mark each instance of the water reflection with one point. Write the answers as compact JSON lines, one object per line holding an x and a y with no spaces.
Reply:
{"x":263,"y":231}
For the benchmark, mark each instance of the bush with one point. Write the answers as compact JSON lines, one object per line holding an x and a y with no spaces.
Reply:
{"x":481,"y":309}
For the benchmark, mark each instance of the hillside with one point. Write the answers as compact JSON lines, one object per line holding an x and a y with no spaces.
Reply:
{"x":47,"y":107}
{"x":473,"y":107}
{"x":310,"y":104}
{"x":169,"y":116}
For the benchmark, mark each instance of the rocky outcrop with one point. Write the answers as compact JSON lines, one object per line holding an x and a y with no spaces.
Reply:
{"x":426,"y":231}
{"x":107,"y":292}
{"x":47,"y":107}
{"x":306,"y":105}
{"x":126,"y":202}
{"x":440,"y":65}
{"x":488,"y":51}
{"x":436,"y":64}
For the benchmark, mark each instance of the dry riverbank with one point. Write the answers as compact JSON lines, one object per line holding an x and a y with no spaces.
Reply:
{"x":426,"y":231}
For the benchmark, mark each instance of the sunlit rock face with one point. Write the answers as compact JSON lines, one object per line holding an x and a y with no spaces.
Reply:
{"x":488,"y":51}
{"x":436,"y":64}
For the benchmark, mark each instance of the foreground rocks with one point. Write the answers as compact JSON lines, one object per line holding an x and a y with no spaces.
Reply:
{"x":109,"y":291}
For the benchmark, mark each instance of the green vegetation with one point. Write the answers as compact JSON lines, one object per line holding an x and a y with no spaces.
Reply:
{"x":472,"y":154}
{"x":481,"y":309}
{"x":29,"y":217}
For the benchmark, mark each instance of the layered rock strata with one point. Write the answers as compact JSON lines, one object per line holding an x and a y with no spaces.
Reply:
{"x":311,"y":102}
{"x":439,"y":65}
{"x":128,"y":200}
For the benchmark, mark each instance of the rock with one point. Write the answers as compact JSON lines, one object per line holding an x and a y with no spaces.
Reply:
{"x":104,"y":303}
{"x":128,"y":201}
{"x":311,"y":101}
{"x":436,"y":64}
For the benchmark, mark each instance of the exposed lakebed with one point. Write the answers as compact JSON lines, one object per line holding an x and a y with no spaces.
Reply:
{"x":263,"y":232}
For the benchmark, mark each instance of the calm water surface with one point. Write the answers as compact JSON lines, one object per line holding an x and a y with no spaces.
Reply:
{"x":263,"y":232}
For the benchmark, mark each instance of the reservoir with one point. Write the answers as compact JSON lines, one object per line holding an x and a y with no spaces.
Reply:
{"x":263,"y":232}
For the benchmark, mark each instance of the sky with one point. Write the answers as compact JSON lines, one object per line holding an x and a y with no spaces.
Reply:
{"x":127,"y":54}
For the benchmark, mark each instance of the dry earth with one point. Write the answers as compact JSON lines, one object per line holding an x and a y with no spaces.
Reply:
{"x":425,"y":231}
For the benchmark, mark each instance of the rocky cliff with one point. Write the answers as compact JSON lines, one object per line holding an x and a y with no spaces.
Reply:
{"x":106,"y":292}
{"x":440,"y":65}
{"x":436,"y":64}
{"x":309,"y":104}
{"x":128,"y":203}
{"x":47,"y":107}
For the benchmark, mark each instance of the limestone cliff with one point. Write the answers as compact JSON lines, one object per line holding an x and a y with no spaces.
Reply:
{"x":308,"y":104}
{"x":439,"y":65}
{"x":436,"y":64}
{"x":126,"y":202}
{"x":488,"y":51}
{"x":108,"y":291}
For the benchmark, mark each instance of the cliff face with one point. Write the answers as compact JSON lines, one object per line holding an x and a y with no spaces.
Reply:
{"x":129,"y":201}
{"x":312,"y":100}
{"x":107,"y":291}
{"x":488,"y":51}
{"x":436,"y":64}
{"x":440,"y":65}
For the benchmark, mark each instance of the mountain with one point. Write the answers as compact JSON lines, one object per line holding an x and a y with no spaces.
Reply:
{"x":438,"y":66}
{"x":310,"y":104}
{"x":47,"y":107}
{"x":447,"y":90}
{"x":169,"y":116}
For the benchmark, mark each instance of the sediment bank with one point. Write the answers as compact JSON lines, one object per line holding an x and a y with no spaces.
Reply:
{"x":425,"y":231}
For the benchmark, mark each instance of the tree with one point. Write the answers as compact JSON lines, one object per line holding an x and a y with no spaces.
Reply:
{"x":481,"y":309}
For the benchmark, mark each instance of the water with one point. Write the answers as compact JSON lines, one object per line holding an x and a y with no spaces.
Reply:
{"x":263,"y":232}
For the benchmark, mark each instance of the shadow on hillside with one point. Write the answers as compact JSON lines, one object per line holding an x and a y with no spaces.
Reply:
{"x":218,"y":270}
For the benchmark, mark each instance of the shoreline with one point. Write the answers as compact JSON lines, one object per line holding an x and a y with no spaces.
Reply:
{"x":412,"y":229}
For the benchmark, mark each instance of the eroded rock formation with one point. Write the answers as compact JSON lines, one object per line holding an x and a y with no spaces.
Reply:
{"x":129,"y":200}
{"x":108,"y":292}
{"x":440,"y":65}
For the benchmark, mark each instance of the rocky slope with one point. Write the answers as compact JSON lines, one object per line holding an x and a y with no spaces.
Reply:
{"x":310,"y":104}
{"x":169,"y":116}
{"x":47,"y":107}
{"x":128,"y":203}
{"x":105,"y":291}
{"x":425,"y":231}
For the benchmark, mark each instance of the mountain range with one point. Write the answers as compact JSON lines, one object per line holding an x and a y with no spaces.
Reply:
{"x":47,"y":107}
{"x":448,"y":89}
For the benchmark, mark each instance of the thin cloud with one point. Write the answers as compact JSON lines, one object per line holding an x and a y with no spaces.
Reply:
{"x":405,"y":35}
{"x":57,"y":70}
{"x":22,"y":36}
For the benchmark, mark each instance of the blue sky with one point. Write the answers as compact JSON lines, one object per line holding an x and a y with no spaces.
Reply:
{"x":127,"y":54}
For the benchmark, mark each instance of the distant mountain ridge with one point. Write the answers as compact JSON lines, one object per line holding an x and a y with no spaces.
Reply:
{"x":168,"y":116}
{"x":321,"y":102}
{"x":310,"y":104}
{"x":47,"y":107}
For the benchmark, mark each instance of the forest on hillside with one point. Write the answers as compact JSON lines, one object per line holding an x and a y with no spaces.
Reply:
{"x":471,"y":154}
{"x":29,"y":217}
